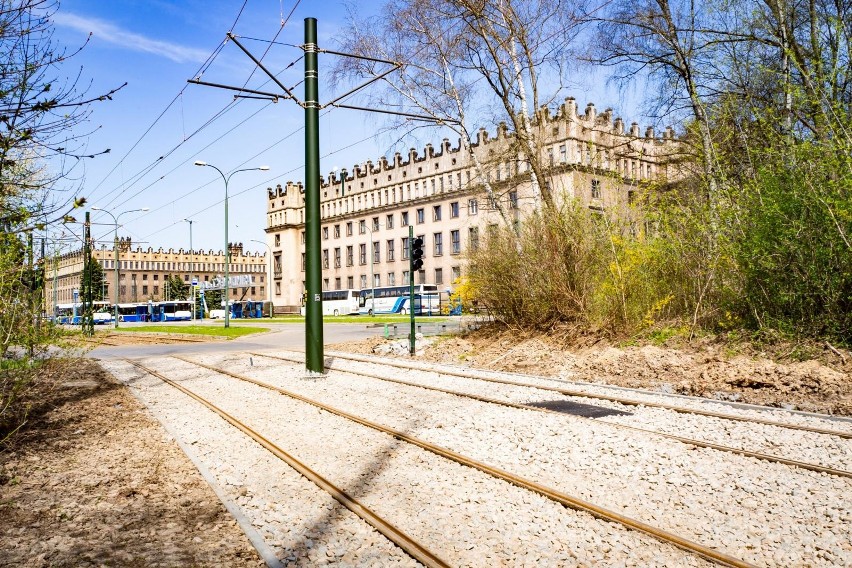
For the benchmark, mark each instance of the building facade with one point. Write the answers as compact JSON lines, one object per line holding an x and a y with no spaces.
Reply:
{"x":442,"y":193}
{"x":142,"y":273}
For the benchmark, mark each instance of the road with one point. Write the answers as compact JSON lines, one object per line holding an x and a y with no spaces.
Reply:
{"x":280,"y":336}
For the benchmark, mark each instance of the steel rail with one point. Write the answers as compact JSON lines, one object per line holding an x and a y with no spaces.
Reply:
{"x":553,"y":494}
{"x":625,"y":401}
{"x":408,"y":544}
{"x":699,"y":443}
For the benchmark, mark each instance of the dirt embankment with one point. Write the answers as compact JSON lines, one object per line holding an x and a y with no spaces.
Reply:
{"x":93,"y":480}
{"x":709,"y":368}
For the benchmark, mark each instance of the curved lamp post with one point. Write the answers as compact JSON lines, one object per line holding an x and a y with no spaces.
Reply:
{"x":115,"y":219}
{"x":227,"y":248}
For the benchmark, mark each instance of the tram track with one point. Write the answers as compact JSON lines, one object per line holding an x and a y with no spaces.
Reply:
{"x":564,"y":499}
{"x":690,"y":441}
{"x":585,"y":394}
{"x":411,"y":546}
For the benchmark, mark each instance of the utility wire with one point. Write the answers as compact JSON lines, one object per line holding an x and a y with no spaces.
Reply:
{"x":204,"y":66}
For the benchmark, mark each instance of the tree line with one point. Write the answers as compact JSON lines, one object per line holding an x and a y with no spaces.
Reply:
{"x":754,"y":232}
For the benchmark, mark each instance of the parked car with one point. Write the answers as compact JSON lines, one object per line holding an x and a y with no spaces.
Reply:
{"x":217,"y":314}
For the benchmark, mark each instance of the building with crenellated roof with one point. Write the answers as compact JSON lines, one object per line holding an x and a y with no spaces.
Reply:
{"x":590,"y":157}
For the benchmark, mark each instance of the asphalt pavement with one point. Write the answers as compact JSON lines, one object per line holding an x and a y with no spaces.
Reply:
{"x":281,"y":336}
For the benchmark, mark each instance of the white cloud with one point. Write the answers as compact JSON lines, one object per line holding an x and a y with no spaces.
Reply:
{"x":128,"y":40}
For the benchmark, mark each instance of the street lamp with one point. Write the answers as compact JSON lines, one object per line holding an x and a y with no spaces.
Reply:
{"x":115,"y":246}
{"x":191,"y":269}
{"x":227,"y":248}
{"x":269,"y":272}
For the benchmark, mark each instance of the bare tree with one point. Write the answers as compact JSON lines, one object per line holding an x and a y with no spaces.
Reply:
{"x":467,"y":60}
{"x":40,"y":115}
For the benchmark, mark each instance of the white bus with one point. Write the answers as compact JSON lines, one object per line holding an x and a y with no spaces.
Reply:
{"x":338,"y":303}
{"x":395,"y":300}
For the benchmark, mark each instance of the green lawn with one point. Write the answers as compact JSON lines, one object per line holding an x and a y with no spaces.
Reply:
{"x":366,"y":320}
{"x":215,"y":331}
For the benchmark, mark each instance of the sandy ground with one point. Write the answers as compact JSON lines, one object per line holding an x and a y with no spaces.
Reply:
{"x":95,"y":481}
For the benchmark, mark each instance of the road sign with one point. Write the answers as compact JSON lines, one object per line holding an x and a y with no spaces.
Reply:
{"x":195,"y":281}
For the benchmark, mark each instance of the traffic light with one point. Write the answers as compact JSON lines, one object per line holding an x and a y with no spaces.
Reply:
{"x":417,"y":254}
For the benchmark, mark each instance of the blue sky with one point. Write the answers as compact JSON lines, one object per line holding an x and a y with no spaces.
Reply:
{"x":155,"y":46}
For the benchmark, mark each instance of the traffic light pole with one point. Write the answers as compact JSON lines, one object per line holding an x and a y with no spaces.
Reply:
{"x":411,"y":339}
{"x":313,"y":271}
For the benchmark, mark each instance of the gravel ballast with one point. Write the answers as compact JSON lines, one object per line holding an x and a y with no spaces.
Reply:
{"x":766,"y":513}
{"x":466,"y":517}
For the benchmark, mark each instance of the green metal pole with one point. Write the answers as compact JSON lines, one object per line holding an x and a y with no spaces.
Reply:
{"x":227,"y":261}
{"x":313,"y":268}
{"x":411,"y":340}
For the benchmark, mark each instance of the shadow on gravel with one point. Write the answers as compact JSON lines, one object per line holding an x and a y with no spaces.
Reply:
{"x":578,"y":408}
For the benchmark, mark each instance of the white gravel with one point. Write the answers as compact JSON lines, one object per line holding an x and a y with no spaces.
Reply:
{"x":466,"y":517}
{"x":766,"y":513}
{"x":828,"y":451}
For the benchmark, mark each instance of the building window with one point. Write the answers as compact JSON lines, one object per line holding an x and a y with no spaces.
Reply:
{"x":377,"y":256}
{"x":391,"y":278}
{"x":278,"y":240}
{"x":596,"y":189}
{"x":439,"y":243}
{"x":363,"y":281}
{"x":303,"y":262}
{"x":563,"y":153}
{"x":389,"y":222}
{"x":278,"y":288}
{"x":456,"y":273}
{"x":375,"y":223}
{"x":325,"y":283}
{"x":348,"y":230}
{"x":350,"y":282}
{"x":513,"y":200}
{"x":144,"y":289}
{"x":325,"y":233}
{"x":439,"y":276}
{"x":337,"y":258}
{"x":377,"y":279}
{"x":421,"y":215}
{"x":473,"y":238}
{"x":337,"y":283}
{"x":454,"y":209}
{"x":349,"y":256}
{"x":325,"y":258}
{"x":156,"y":290}
{"x":337,"y":231}
{"x":362,"y":227}
{"x":404,"y":218}
{"x":156,"y":277}
{"x":406,"y":250}
{"x":436,"y":213}
{"x":406,"y":277}
{"x":390,"y":250}
{"x":362,"y":253}
{"x":455,"y":242}
{"x":472,"y":207}
{"x":303,"y":237}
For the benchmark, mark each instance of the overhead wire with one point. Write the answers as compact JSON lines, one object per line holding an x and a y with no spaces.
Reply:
{"x":204,"y":66}
{"x":231,"y":104}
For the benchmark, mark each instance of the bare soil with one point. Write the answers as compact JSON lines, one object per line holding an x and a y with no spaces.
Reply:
{"x":813,"y":377}
{"x":112,"y":338}
{"x":94,"y":480}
